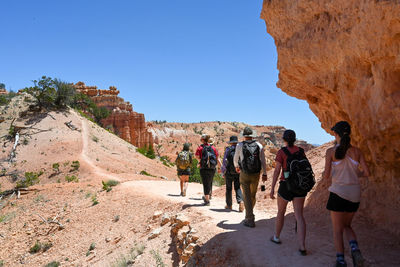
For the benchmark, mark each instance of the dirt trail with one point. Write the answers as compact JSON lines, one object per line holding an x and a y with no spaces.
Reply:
{"x":253,"y":244}
{"x":84,"y":154}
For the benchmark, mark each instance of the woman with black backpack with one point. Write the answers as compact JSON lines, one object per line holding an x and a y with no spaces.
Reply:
{"x":284,"y":195}
{"x":344,"y":164}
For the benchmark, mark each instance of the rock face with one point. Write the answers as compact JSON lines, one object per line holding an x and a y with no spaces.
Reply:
{"x":343,"y":57}
{"x":126,"y":123}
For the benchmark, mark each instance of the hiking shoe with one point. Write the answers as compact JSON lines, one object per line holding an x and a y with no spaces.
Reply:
{"x":303,"y":252}
{"x":340,"y":264}
{"x":275,"y":240}
{"x":206,"y":203}
{"x":183,"y":194}
{"x":358,"y":260}
{"x":228,"y":207}
{"x":250,"y":224}
{"x":241,"y":206}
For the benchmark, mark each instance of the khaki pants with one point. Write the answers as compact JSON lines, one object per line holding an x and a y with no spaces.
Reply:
{"x":249,"y":184}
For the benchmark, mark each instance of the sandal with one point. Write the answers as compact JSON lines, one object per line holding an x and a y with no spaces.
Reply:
{"x":275,"y":240}
{"x":303,"y":252}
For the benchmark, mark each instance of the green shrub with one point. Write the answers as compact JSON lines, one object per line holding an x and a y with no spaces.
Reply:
{"x":56,"y":167}
{"x":72,"y":178}
{"x":146,"y":173}
{"x":36,"y":247}
{"x":218,"y":179}
{"x":46,"y":246}
{"x":30,"y":179}
{"x":75,"y":165}
{"x":147,"y":151}
{"x":158,"y":258}
{"x":195,"y":172}
{"x":107,"y":186}
{"x":53,"y":264}
{"x":95,"y":139}
{"x":43,"y":92}
{"x":166,"y":161}
{"x":65,"y":93}
{"x":94,"y":200}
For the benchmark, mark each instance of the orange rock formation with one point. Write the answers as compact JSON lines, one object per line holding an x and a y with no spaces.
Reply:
{"x":126,"y":123}
{"x":343,"y":58}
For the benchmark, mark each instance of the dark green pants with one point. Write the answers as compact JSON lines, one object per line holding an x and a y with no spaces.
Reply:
{"x":249,"y":184}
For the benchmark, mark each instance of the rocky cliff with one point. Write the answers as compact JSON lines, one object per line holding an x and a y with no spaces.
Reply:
{"x":343,"y":58}
{"x":126,"y":123}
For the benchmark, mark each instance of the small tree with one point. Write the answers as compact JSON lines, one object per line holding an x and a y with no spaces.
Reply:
{"x":65,"y":93}
{"x":43,"y":92}
{"x":2,"y":86}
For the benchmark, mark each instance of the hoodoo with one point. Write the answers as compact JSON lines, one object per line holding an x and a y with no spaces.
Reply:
{"x":126,"y":123}
{"x":343,"y":58}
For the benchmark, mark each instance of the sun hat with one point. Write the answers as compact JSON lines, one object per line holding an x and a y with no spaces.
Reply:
{"x":342,"y":128}
{"x":205,"y":137}
{"x":233,"y":139}
{"x":248,"y":132}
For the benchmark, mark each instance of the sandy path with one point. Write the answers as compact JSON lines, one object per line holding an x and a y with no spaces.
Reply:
{"x":253,"y":244}
{"x":84,"y":154}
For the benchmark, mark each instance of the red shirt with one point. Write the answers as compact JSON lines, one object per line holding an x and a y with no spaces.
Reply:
{"x":199,"y":151}
{"x":281,"y":158}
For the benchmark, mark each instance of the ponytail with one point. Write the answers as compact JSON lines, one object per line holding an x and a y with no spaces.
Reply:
{"x":291,"y":143}
{"x":344,"y":145}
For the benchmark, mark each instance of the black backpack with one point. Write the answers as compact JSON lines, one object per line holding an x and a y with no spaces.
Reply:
{"x":230,"y":154}
{"x":208,"y":158}
{"x":251,"y":162}
{"x":301,"y":176}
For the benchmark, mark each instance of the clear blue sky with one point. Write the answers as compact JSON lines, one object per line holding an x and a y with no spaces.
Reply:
{"x":177,"y":60}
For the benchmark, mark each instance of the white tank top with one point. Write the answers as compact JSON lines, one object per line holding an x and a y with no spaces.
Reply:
{"x":345,"y":182}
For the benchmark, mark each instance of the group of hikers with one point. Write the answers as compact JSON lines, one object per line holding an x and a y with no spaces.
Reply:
{"x":244,"y":164}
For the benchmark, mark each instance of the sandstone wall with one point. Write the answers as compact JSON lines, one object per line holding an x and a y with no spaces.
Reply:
{"x":128,"y":124}
{"x":343,"y":58}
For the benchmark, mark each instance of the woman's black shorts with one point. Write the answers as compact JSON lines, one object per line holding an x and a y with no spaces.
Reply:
{"x":183,"y":172}
{"x":284,"y":193}
{"x":336,"y":203}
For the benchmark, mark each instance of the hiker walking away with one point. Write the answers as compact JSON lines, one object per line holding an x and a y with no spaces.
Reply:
{"x":290,"y":156}
{"x":231,"y":176}
{"x":183,"y":163}
{"x":344,"y":164}
{"x":207,"y":155}
{"x":249,"y":161}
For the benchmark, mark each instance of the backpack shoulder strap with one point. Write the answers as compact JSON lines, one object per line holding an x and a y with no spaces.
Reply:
{"x":286,"y":151}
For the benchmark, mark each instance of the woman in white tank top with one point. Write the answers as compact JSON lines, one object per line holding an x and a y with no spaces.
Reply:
{"x":344,"y":164}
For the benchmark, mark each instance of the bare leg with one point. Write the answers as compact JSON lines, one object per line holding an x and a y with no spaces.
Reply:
{"x":184,"y":183}
{"x":338,"y":228}
{"x":348,"y":230}
{"x":181,"y":183}
{"x":280,"y":217}
{"x":298,"y":204}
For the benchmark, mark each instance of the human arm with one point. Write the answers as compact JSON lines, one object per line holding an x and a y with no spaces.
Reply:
{"x":224,"y":162}
{"x":263,"y":164}
{"x":363,"y":165}
{"x":328,"y":163}
{"x":236,"y":158}
{"x":198,"y":152}
{"x":277,"y":172}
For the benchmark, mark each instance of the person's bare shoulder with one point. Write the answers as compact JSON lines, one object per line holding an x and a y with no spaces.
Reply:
{"x":330,"y":151}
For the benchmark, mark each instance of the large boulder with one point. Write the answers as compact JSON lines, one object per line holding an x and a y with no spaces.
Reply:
{"x":343,"y":58}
